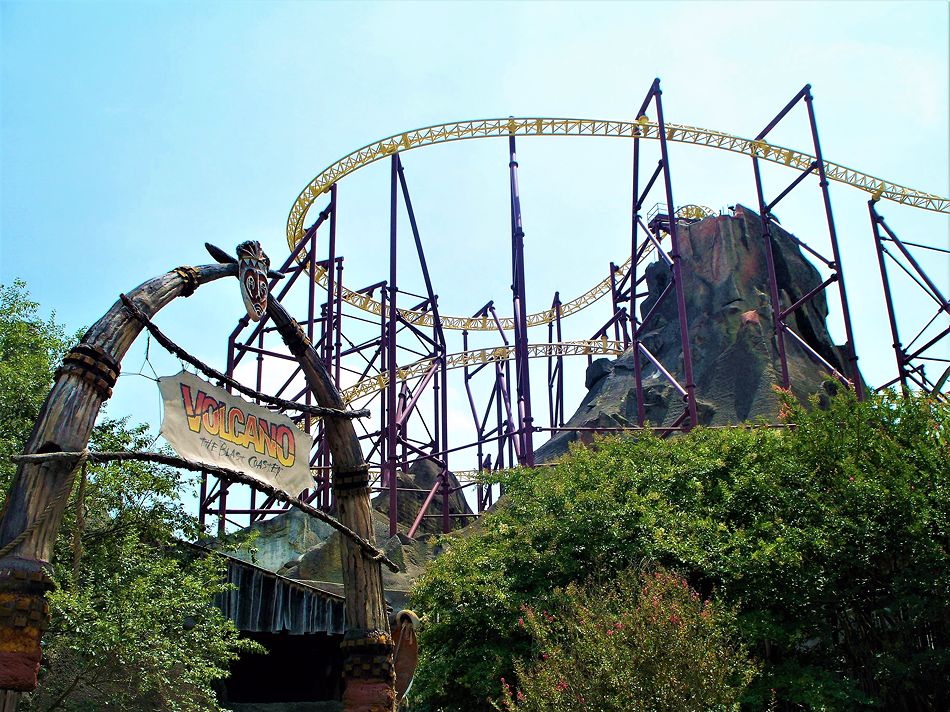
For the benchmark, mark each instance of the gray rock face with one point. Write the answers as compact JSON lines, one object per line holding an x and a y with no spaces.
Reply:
{"x":299,"y":547}
{"x":735,"y":359}
{"x":294,"y":545}
{"x":284,"y":538}
{"x":421,"y":477}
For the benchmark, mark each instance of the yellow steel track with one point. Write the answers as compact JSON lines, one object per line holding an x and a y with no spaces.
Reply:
{"x":642,"y":128}
{"x":481,"y":323}
{"x":477,"y":357}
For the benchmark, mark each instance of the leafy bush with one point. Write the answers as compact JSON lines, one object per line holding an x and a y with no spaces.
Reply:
{"x":830,"y":538}
{"x":642,"y":643}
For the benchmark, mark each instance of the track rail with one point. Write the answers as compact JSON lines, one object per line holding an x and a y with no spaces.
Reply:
{"x":477,"y":357}
{"x":641,"y":128}
{"x":480,"y":323}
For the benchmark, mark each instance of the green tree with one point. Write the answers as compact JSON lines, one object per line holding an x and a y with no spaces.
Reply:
{"x":133,"y":625}
{"x":30,"y":348}
{"x":830,"y":538}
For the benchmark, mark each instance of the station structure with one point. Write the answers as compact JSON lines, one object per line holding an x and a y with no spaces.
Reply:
{"x":387,"y":349}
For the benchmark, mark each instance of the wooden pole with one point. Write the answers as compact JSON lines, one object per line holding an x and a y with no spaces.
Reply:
{"x":34,"y":507}
{"x":368,"y":646}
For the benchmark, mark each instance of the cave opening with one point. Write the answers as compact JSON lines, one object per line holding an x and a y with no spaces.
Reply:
{"x":295,"y":668}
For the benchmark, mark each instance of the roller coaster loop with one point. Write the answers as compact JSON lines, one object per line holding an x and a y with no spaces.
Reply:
{"x":642,"y":128}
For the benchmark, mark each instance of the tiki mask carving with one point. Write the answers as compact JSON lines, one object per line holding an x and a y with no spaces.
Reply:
{"x":252,"y":272}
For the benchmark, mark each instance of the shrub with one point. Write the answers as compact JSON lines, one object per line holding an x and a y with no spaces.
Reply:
{"x":829,"y":538}
{"x":641,"y":643}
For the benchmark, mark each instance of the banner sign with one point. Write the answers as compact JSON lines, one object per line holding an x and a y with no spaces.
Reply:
{"x":206,"y":424}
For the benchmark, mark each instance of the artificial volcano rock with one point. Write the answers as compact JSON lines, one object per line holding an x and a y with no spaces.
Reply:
{"x":297,"y":546}
{"x":735,"y":358}
{"x":414,"y":487}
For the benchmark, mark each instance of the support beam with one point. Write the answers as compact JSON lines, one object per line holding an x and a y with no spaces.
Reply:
{"x":522,"y":375}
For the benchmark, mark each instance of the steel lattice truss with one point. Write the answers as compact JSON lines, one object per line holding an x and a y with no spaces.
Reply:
{"x":642,"y":128}
{"x":388,"y":351}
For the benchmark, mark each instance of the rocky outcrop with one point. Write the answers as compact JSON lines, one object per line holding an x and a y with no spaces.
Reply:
{"x":297,"y":546}
{"x":415,"y":487}
{"x":735,"y":360}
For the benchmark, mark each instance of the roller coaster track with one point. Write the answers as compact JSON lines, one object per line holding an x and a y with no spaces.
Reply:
{"x":481,"y":323}
{"x":641,"y":128}
{"x":478,"y":357}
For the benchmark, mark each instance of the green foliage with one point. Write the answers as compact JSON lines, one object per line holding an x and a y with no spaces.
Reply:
{"x":829,"y":538}
{"x":133,"y":623}
{"x":30,"y":347}
{"x":642,"y":643}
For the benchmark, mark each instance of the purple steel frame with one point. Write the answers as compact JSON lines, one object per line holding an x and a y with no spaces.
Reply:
{"x":504,"y":426}
{"x":910,"y":369}
{"x":638,"y":326}
{"x":780,"y":311}
{"x":525,"y":421}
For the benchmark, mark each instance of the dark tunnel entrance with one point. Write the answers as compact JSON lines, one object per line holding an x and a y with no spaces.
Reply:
{"x":296,"y":668}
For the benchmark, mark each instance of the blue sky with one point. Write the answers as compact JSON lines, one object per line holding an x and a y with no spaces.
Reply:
{"x":132,"y":132}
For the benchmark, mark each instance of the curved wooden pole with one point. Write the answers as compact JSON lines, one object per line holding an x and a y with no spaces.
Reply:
{"x":34,"y":505}
{"x":368,"y":646}
{"x":65,"y":423}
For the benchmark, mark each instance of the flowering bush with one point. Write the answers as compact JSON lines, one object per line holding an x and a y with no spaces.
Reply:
{"x":642,"y":643}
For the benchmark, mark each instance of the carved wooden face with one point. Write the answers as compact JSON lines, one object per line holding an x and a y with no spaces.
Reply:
{"x":252,"y":272}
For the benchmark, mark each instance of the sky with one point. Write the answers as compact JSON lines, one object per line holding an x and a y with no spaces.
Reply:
{"x":133,"y":132}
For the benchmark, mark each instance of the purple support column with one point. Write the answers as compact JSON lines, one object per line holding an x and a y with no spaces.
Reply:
{"x":555,"y":368}
{"x":851,"y":353}
{"x":391,"y":426}
{"x":777,"y":325}
{"x":202,"y":497}
{"x":525,"y":421}
{"x":778,"y":313}
{"x":634,"y":252}
{"x":440,"y":388}
{"x":222,"y":505}
{"x":613,"y":299}
{"x":677,"y":265}
{"x":442,"y":393}
{"x":338,"y":322}
{"x":259,"y":386}
{"x":385,"y":480}
{"x":900,"y":355}
{"x":329,"y":339}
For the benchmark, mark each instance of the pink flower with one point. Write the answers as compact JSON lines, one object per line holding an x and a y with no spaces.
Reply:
{"x":521,"y":622}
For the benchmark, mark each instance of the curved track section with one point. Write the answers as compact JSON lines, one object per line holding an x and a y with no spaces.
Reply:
{"x":641,"y":128}
{"x":481,"y":323}
{"x":477,"y":357}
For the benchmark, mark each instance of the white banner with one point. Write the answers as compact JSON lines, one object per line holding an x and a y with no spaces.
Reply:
{"x":206,"y":424}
